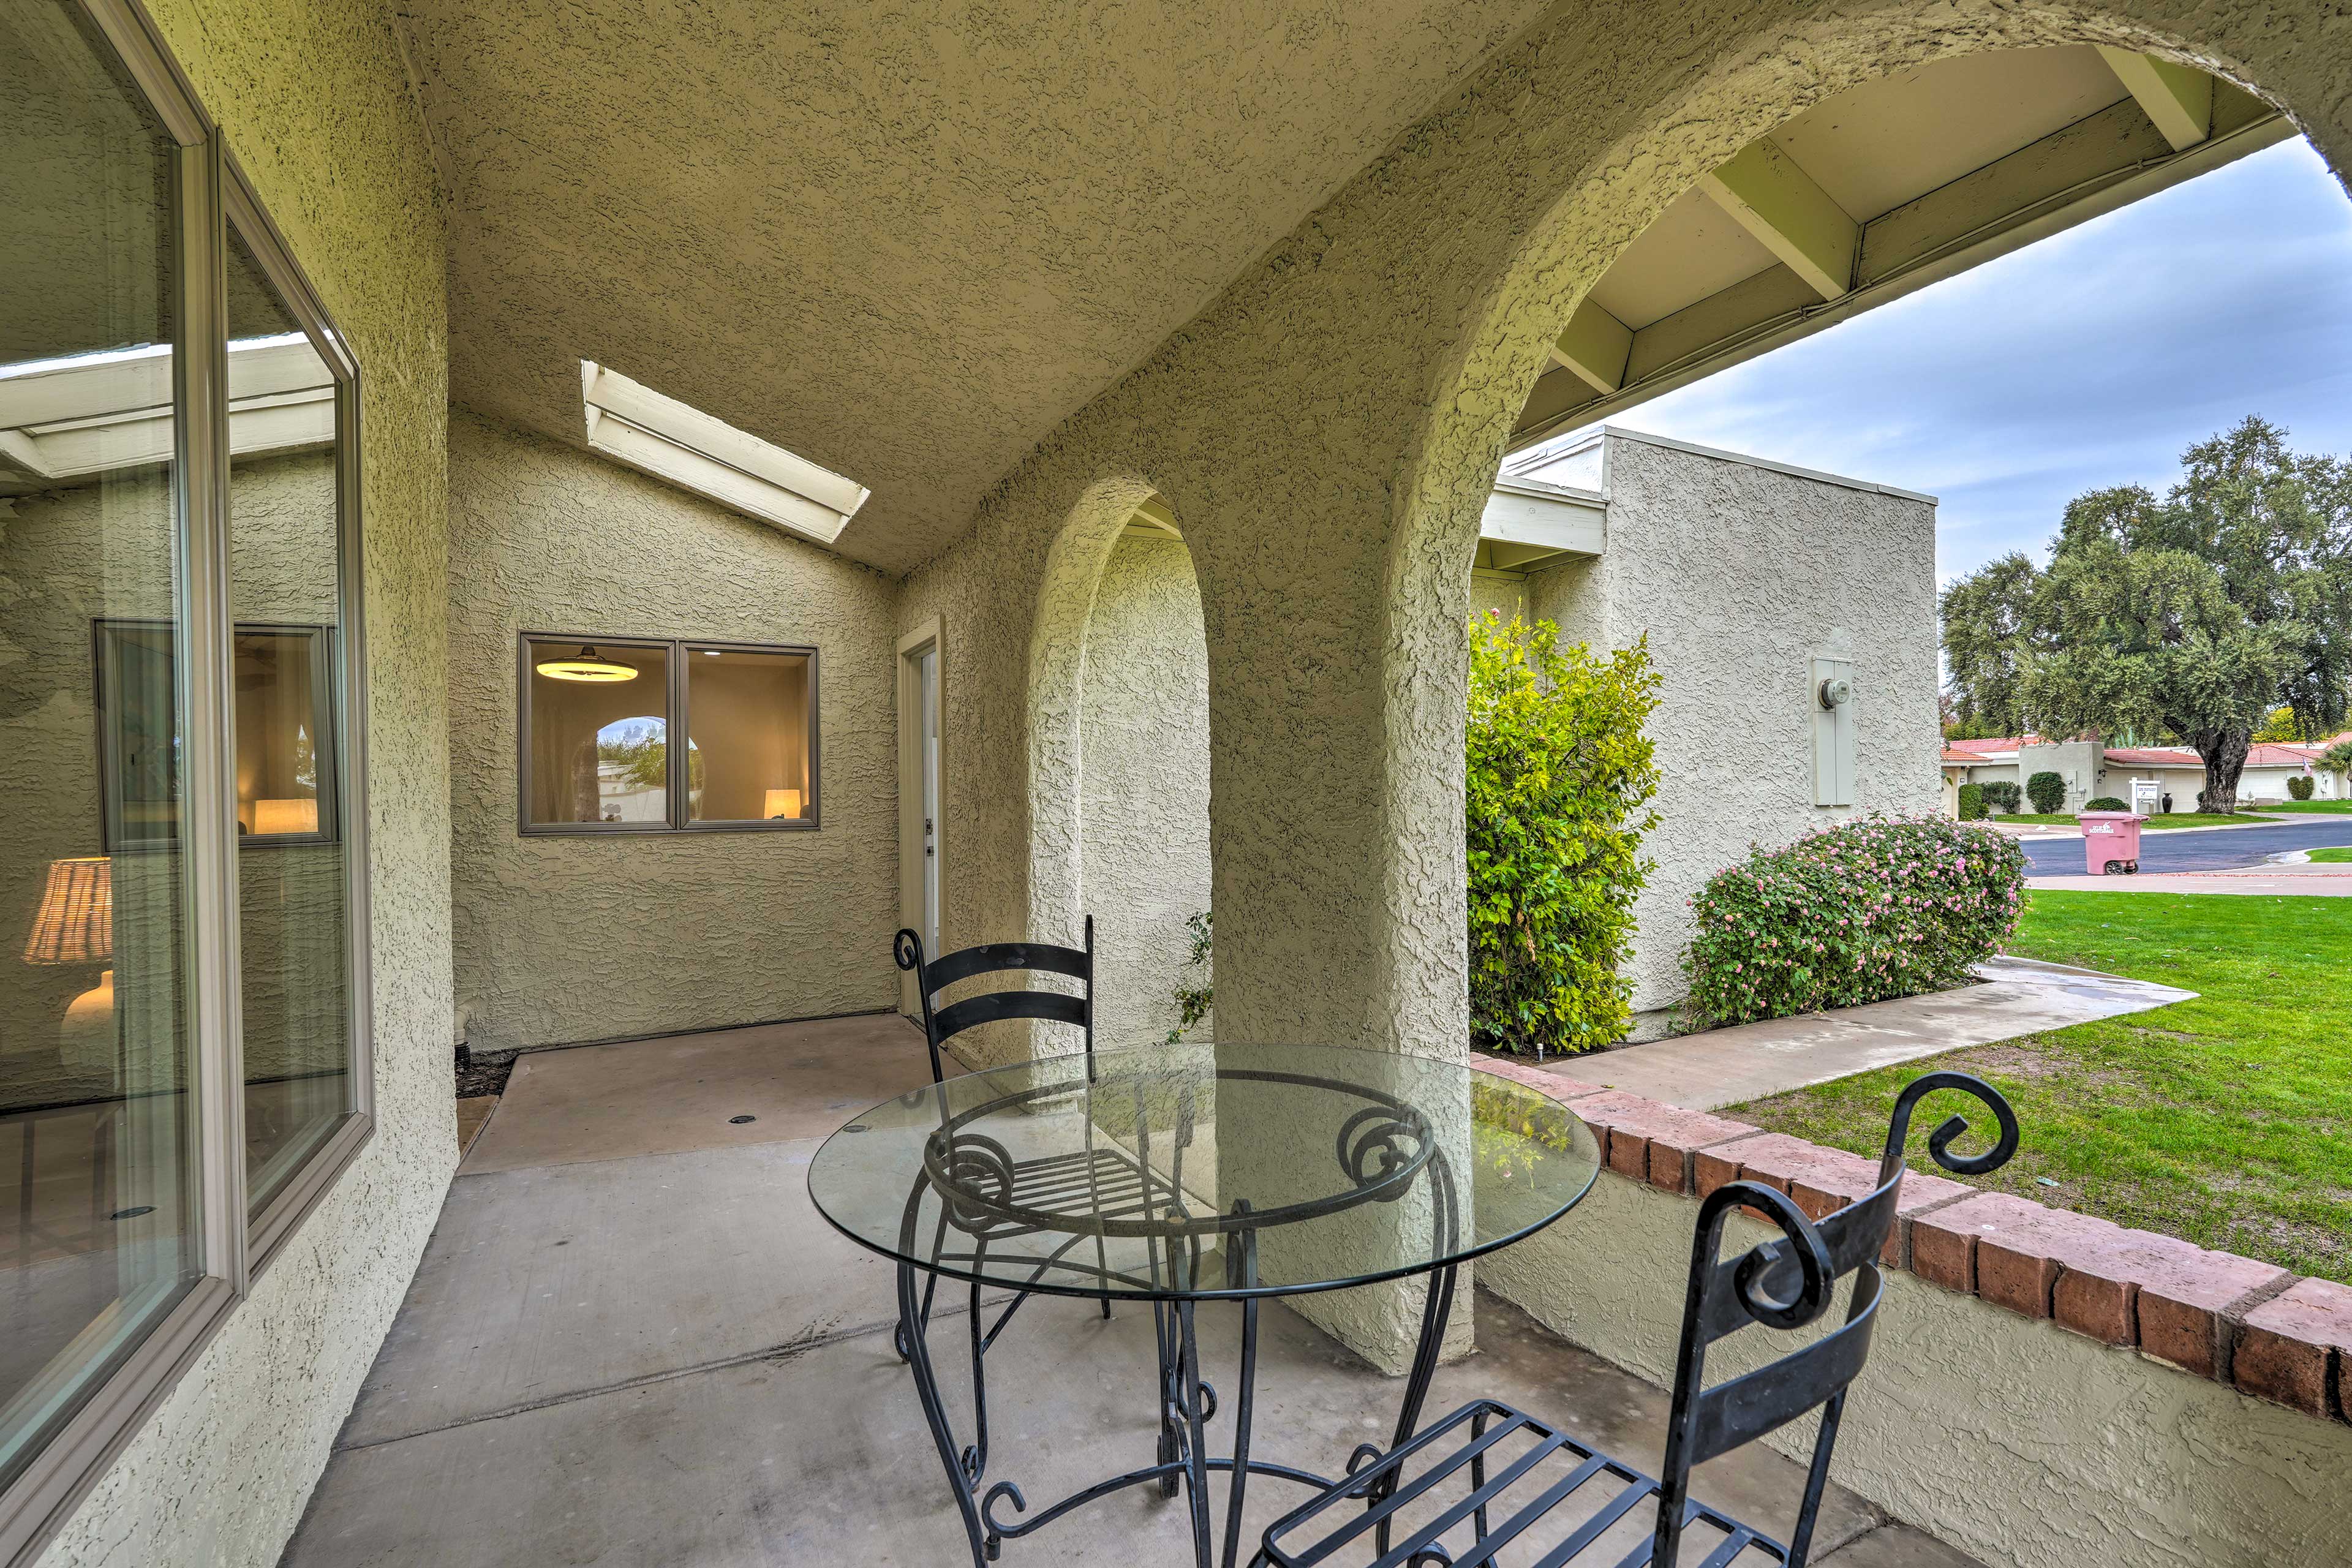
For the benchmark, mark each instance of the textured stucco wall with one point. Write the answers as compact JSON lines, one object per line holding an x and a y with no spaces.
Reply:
{"x":1741,"y":575}
{"x":572,"y":938}
{"x":1328,"y":428}
{"x":220,"y":1472}
{"x":1143,"y":734}
{"x":2013,"y":1439}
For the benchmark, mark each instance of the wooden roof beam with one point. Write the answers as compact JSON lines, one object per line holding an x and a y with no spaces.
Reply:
{"x":1790,"y":214}
{"x":2178,"y":98}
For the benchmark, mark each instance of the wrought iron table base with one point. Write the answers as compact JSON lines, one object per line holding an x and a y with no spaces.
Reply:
{"x":1187,"y":1405}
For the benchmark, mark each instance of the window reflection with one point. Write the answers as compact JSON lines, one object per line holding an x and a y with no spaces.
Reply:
{"x":599,"y":738}
{"x":97,"y":1170}
{"x":285,"y":597}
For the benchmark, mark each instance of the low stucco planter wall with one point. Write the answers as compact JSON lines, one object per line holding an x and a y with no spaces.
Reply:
{"x":1998,"y":1412}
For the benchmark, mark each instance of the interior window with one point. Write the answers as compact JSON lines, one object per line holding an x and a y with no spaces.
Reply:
{"x":599,"y":714}
{"x":746,"y":717}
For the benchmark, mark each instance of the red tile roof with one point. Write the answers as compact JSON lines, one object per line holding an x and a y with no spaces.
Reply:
{"x":1981,"y":747}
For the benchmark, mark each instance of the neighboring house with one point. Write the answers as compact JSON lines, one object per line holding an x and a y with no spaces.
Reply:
{"x":1756,"y":583}
{"x":2151,"y":779}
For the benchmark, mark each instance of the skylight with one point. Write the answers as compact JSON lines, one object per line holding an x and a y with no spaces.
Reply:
{"x":670,"y":440}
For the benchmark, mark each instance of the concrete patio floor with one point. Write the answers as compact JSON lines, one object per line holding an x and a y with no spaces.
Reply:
{"x":632,"y":1340}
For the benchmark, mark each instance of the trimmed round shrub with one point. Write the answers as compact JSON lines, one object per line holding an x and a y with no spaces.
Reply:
{"x":2104,"y":803}
{"x":1972,"y":802}
{"x":1872,"y":909}
{"x":2299,"y":786}
{"x":2003,"y":795}
{"x":2047,"y":792}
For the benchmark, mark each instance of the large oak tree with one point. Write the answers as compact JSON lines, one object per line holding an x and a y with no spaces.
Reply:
{"x":2193,"y":616}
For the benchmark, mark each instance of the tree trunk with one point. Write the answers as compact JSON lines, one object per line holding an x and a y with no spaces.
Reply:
{"x":2223,"y":752}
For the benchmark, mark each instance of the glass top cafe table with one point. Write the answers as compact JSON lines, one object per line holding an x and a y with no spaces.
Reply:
{"x":1176,"y":1175}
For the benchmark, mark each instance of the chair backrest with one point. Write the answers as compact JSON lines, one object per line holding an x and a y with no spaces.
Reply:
{"x":1787,"y":1283}
{"x":936,"y":974}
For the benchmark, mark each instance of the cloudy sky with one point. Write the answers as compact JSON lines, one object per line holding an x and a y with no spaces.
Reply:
{"x":2090,"y":359}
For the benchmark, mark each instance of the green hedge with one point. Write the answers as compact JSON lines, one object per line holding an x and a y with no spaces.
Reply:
{"x":2002,"y":796}
{"x":1973,"y":805}
{"x":1557,"y":783}
{"x":2300,"y":786}
{"x":2047,"y":791}
{"x":1877,"y":908}
{"x":2104,"y":803}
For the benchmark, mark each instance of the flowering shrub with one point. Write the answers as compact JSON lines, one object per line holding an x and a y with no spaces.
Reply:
{"x":1872,"y":909}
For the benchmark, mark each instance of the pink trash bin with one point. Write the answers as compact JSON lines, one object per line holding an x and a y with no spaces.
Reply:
{"x":2111,"y":841}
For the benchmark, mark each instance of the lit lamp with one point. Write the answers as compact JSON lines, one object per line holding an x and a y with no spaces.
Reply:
{"x":784,"y":803}
{"x":282,"y":816}
{"x":590,"y":666}
{"x":75,"y":925}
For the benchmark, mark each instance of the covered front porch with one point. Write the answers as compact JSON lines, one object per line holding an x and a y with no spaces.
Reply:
{"x":633,"y":1340}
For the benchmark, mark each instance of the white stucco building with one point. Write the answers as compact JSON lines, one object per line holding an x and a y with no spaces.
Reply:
{"x":2155,"y":780}
{"x":1755,"y":583}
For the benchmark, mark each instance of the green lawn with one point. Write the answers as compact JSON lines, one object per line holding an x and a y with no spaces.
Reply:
{"x":2330,"y":807}
{"x":2226,"y":1120}
{"x":2331,"y":855}
{"x":2154,"y":823}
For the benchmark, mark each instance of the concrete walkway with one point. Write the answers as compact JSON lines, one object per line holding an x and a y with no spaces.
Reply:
{"x":1729,"y":1066}
{"x":633,"y":1342}
{"x":2286,"y":881}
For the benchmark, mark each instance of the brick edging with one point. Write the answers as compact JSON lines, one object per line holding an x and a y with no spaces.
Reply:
{"x":2253,"y":1326}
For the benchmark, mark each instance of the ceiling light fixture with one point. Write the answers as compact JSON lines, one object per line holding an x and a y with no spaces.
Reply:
{"x":590,"y":666}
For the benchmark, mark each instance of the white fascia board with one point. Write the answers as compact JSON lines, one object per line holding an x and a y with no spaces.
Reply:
{"x":681,"y":442}
{"x":1551,"y":517}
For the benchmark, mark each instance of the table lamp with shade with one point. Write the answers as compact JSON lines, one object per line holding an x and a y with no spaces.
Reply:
{"x":782,"y":803}
{"x":75,"y":925}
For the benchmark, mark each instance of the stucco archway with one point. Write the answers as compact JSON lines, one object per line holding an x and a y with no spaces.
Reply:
{"x":1574,"y":231}
{"x":1118,"y":751}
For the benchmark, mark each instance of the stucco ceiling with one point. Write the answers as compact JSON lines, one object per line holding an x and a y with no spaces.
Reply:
{"x":901,"y":241}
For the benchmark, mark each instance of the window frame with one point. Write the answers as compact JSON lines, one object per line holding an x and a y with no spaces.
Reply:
{"x":325,"y":654}
{"x":676,"y":719}
{"x":231,"y":1245}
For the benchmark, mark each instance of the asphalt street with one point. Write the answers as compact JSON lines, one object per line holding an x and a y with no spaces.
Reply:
{"x":2189,"y":850}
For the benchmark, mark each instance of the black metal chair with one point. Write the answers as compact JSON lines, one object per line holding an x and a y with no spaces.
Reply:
{"x":1551,"y":1500}
{"x":936,"y":974}
{"x":1113,"y":1182}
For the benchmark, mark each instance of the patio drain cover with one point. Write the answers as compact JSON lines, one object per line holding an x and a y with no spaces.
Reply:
{"x":738,"y":1121}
